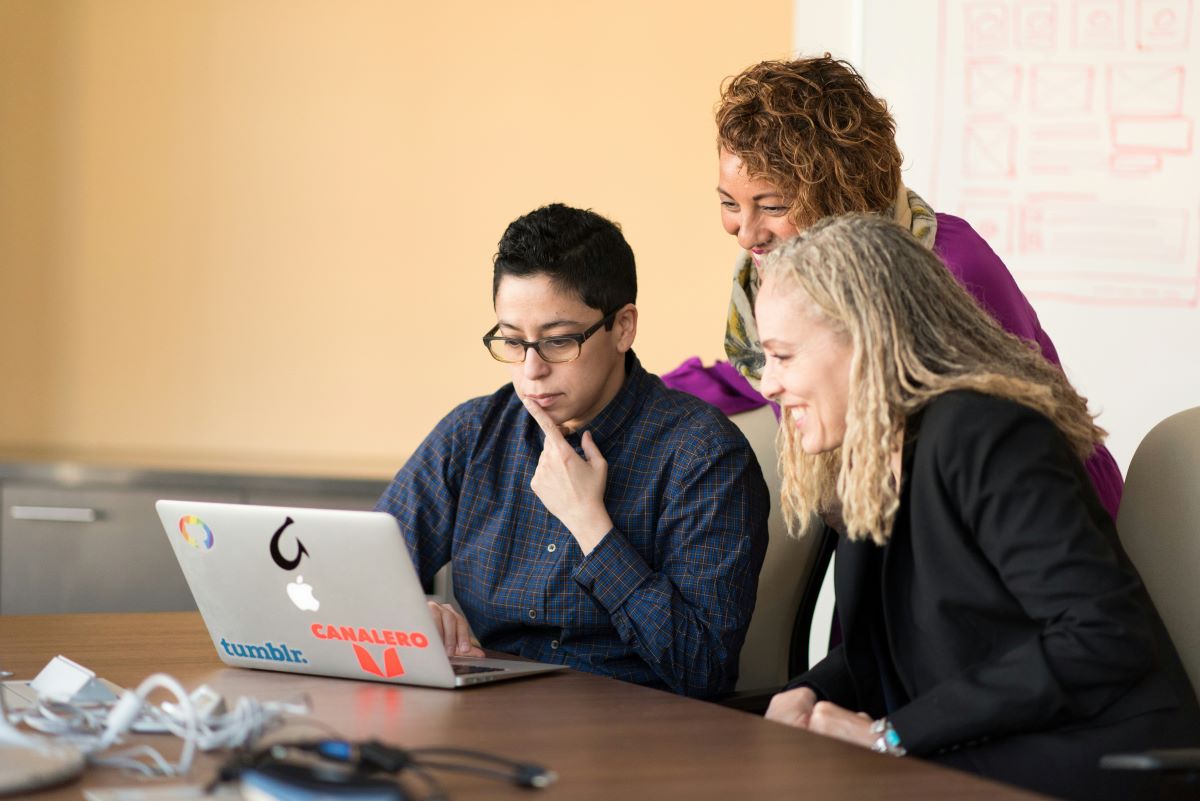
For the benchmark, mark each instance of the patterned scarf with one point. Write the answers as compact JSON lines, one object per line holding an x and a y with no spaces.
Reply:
{"x":742,"y":345}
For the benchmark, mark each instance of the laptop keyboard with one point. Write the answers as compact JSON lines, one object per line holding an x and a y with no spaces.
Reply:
{"x":468,"y":670}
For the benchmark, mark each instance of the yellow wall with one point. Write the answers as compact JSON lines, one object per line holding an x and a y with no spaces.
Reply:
{"x":27,"y":56}
{"x":259,"y":234}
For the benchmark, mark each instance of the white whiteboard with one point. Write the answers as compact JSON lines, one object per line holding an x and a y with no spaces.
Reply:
{"x":1064,"y":132}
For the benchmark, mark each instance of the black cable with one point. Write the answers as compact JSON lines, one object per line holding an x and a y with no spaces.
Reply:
{"x":360,"y":760}
{"x":435,"y":790}
{"x":525,"y":774}
{"x":463,"y":767}
{"x":469,"y":753}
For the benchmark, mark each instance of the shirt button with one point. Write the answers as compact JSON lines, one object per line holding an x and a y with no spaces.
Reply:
{"x":554,"y":644}
{"x":532,"y":614}
{"x":552,"y":547}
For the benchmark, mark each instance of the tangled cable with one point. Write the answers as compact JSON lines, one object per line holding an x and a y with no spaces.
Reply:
{"x":200,"y":719}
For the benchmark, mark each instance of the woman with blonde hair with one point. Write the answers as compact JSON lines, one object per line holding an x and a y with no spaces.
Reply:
{"x":805,"y":139}
{"x":990,"y":619}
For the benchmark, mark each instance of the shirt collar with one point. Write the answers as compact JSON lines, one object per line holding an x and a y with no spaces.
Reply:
{"x":622,"y":408}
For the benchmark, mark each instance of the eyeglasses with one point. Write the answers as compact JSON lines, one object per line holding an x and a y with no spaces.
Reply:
{"x":556,"y":350}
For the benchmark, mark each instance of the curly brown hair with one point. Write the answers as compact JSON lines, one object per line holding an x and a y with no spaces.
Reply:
{"x":813,"y":129}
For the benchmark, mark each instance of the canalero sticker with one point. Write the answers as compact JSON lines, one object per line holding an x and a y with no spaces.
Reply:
{"x":357,"y":635}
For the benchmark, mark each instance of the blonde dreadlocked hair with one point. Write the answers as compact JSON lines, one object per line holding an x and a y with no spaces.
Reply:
{"x":915,"y":334}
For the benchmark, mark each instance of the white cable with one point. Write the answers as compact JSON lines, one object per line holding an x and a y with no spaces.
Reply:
{"x":199,"y":719}
{"x":122,"y":716}
{"x":131,"y":759}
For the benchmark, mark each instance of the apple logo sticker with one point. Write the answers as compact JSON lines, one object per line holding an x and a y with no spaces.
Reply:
{"x":301,"y":595}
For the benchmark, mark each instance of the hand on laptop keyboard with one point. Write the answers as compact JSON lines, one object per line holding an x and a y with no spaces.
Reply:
{"x":453,"y":628}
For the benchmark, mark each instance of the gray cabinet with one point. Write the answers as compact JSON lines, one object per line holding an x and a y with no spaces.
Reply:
{"x":88,"y":550}
{"x":95,"y":543}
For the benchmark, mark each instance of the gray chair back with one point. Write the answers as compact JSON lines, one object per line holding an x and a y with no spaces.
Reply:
{"x":1159,"y":525}
{"x":786,"y":571}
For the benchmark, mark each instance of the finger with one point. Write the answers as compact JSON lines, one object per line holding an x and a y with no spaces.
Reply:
{"x":822,"y":717}
{"x":436,"y":612}
{"x":450,"y":627}
{"x":834,"y":721}
{"x":781,"y":712}
{"x":463,"y":633}
{"x":549,"y":428}
{"x":590,"y":450}
{"x":820,"y":723}
{"x":789,"y":717}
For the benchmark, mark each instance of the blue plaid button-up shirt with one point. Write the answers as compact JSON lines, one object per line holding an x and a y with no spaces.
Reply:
{"x":665,"y":598}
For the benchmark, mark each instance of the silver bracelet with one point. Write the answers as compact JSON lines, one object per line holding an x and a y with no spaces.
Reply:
{"x":888,"y":741}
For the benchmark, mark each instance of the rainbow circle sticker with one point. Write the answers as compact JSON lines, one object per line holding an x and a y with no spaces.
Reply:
{"x":189,"y":534}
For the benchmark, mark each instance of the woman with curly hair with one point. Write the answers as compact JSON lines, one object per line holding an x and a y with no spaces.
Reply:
{"x":991,"y":620}
{"x":805,"y":139}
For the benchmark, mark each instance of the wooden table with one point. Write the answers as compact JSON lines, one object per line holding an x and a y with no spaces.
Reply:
{"x":606,"y":739}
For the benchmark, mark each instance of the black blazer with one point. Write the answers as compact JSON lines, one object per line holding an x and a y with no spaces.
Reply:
{"x":1007,"y":603}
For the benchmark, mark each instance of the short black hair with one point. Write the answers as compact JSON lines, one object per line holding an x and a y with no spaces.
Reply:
{"x":582,"y":253}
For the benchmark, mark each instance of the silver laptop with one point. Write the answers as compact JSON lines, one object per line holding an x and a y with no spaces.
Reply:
{"x":317,"y":591}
